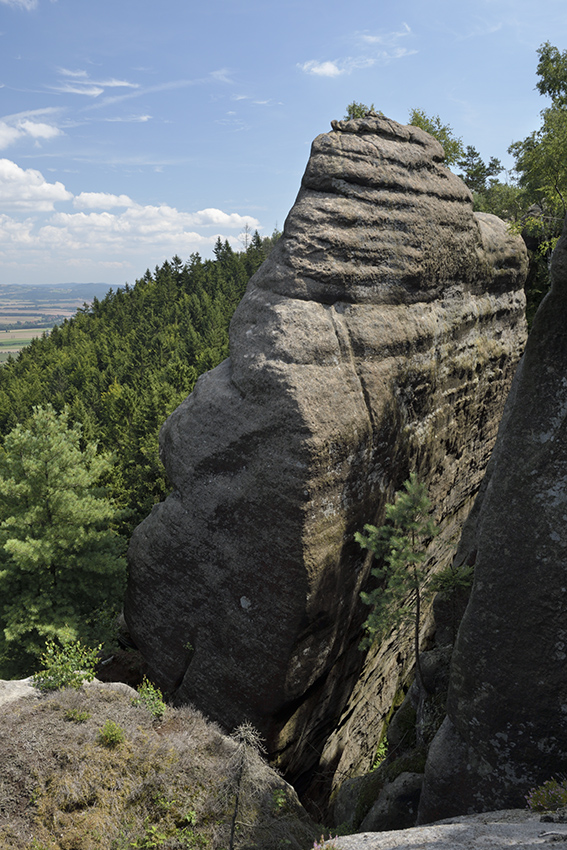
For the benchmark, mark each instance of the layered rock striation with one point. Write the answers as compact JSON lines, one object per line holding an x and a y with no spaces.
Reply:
{"x":506,"y":725}
{"x":379,"y":337}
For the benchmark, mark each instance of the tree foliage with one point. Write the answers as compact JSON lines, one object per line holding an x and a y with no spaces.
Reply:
{"x":478,"y":175}
{"x":61,"y":563}
{"x":541,"y":169}
{"x":400,"y":549}
{"x":432,"y":124}
{"x":552,"y":73}
{"x":541,"y":165}
{"x":358,"y":110}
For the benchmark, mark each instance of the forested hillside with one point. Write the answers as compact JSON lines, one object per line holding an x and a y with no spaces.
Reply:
{"x":124,"y":363}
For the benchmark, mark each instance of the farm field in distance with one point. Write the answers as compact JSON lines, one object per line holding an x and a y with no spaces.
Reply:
{"x":30,"y":311}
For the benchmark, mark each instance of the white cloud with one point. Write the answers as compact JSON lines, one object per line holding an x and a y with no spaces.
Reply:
{"x":27,"y":189}
{"x":14,"y":127}
{"x":14,"y":234}
{"x":28,"y":5}
{"x":8,"y":135}
{"x":212,"y":216}
{"x":153,"y":229}
{"x":321,"y":69}
{"x":101,"y":200}
{"x":105,"y":236}
{"x":38,"y":130}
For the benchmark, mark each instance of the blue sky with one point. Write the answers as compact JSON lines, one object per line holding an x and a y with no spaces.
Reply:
{"x":133,"y":130}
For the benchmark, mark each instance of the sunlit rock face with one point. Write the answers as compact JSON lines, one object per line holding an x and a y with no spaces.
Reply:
{"x":379,"y":337}
{"x":506,"y":729}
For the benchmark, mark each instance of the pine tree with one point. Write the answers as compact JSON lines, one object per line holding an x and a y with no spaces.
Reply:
{"x":400,"y":545}
{"x":61,"y":564}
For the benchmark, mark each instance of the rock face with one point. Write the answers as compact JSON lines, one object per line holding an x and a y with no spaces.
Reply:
{"x":506,"y":728}
{"x":379,"y":337}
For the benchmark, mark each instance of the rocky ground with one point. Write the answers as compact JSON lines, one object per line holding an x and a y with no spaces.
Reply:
{"x":494,"y":830}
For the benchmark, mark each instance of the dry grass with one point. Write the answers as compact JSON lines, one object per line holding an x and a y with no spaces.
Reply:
{"x":160,"y":784}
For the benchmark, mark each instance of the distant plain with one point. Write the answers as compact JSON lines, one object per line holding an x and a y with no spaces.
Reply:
{"x":30,"y":311}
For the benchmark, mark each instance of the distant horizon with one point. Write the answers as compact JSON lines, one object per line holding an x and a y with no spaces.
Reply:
{"x":62,"y":283}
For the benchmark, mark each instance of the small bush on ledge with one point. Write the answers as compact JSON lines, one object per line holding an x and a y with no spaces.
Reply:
{"x":549,"y":796}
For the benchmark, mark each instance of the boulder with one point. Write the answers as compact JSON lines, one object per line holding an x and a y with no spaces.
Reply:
{"x":14,"y":689}
{"x":396,"y":807}
{"x":378,"y":338}
{"x":506,"y":726}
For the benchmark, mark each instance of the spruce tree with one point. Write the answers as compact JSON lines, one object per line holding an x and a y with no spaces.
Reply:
{"x":61,"y":564}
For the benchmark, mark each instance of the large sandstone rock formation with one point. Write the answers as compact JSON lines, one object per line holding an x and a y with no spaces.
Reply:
{"x":506,"y":728}
{"x":379,"y":337}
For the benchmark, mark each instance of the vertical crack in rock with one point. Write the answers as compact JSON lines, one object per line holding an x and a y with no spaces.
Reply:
{"x":379,"y":337}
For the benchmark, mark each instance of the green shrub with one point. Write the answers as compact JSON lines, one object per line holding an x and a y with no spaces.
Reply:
{"x":66,"y":666}
{"x":151,"y":698}
{"x":111,"y":735}
{"x":76,"y":715}
{"x":381,"y":753}
{"x":452,"y":578}
{"x":549,"y":796}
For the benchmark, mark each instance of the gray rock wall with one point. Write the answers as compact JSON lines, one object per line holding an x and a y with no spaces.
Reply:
{"x":379,"y":337}
{"x":506,"y":728}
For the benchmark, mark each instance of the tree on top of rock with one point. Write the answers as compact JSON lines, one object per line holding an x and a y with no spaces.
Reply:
{"x":432,"y":124}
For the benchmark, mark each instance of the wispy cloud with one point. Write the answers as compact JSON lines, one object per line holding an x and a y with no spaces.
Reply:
{"x":130,"y":119}
{"x":372,"y":49}
{"x":142,"y":91}
{"x":221,"y":75}
{"x":28,"y":5}
{"x":236,"y":124}
{"x":386,"y":39}
{"x":79,"y":82}
{"x":481,"y":27}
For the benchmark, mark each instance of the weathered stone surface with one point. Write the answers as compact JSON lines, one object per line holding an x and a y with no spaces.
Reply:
{"x":517,"y":829}
{"x":379,"y":337}
{"x":506,"y":729}
{"x":14,"y":689}
{"x":396,"y":807}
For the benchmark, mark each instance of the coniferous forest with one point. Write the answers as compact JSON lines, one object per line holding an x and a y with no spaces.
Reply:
{"x":122,"y":364}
